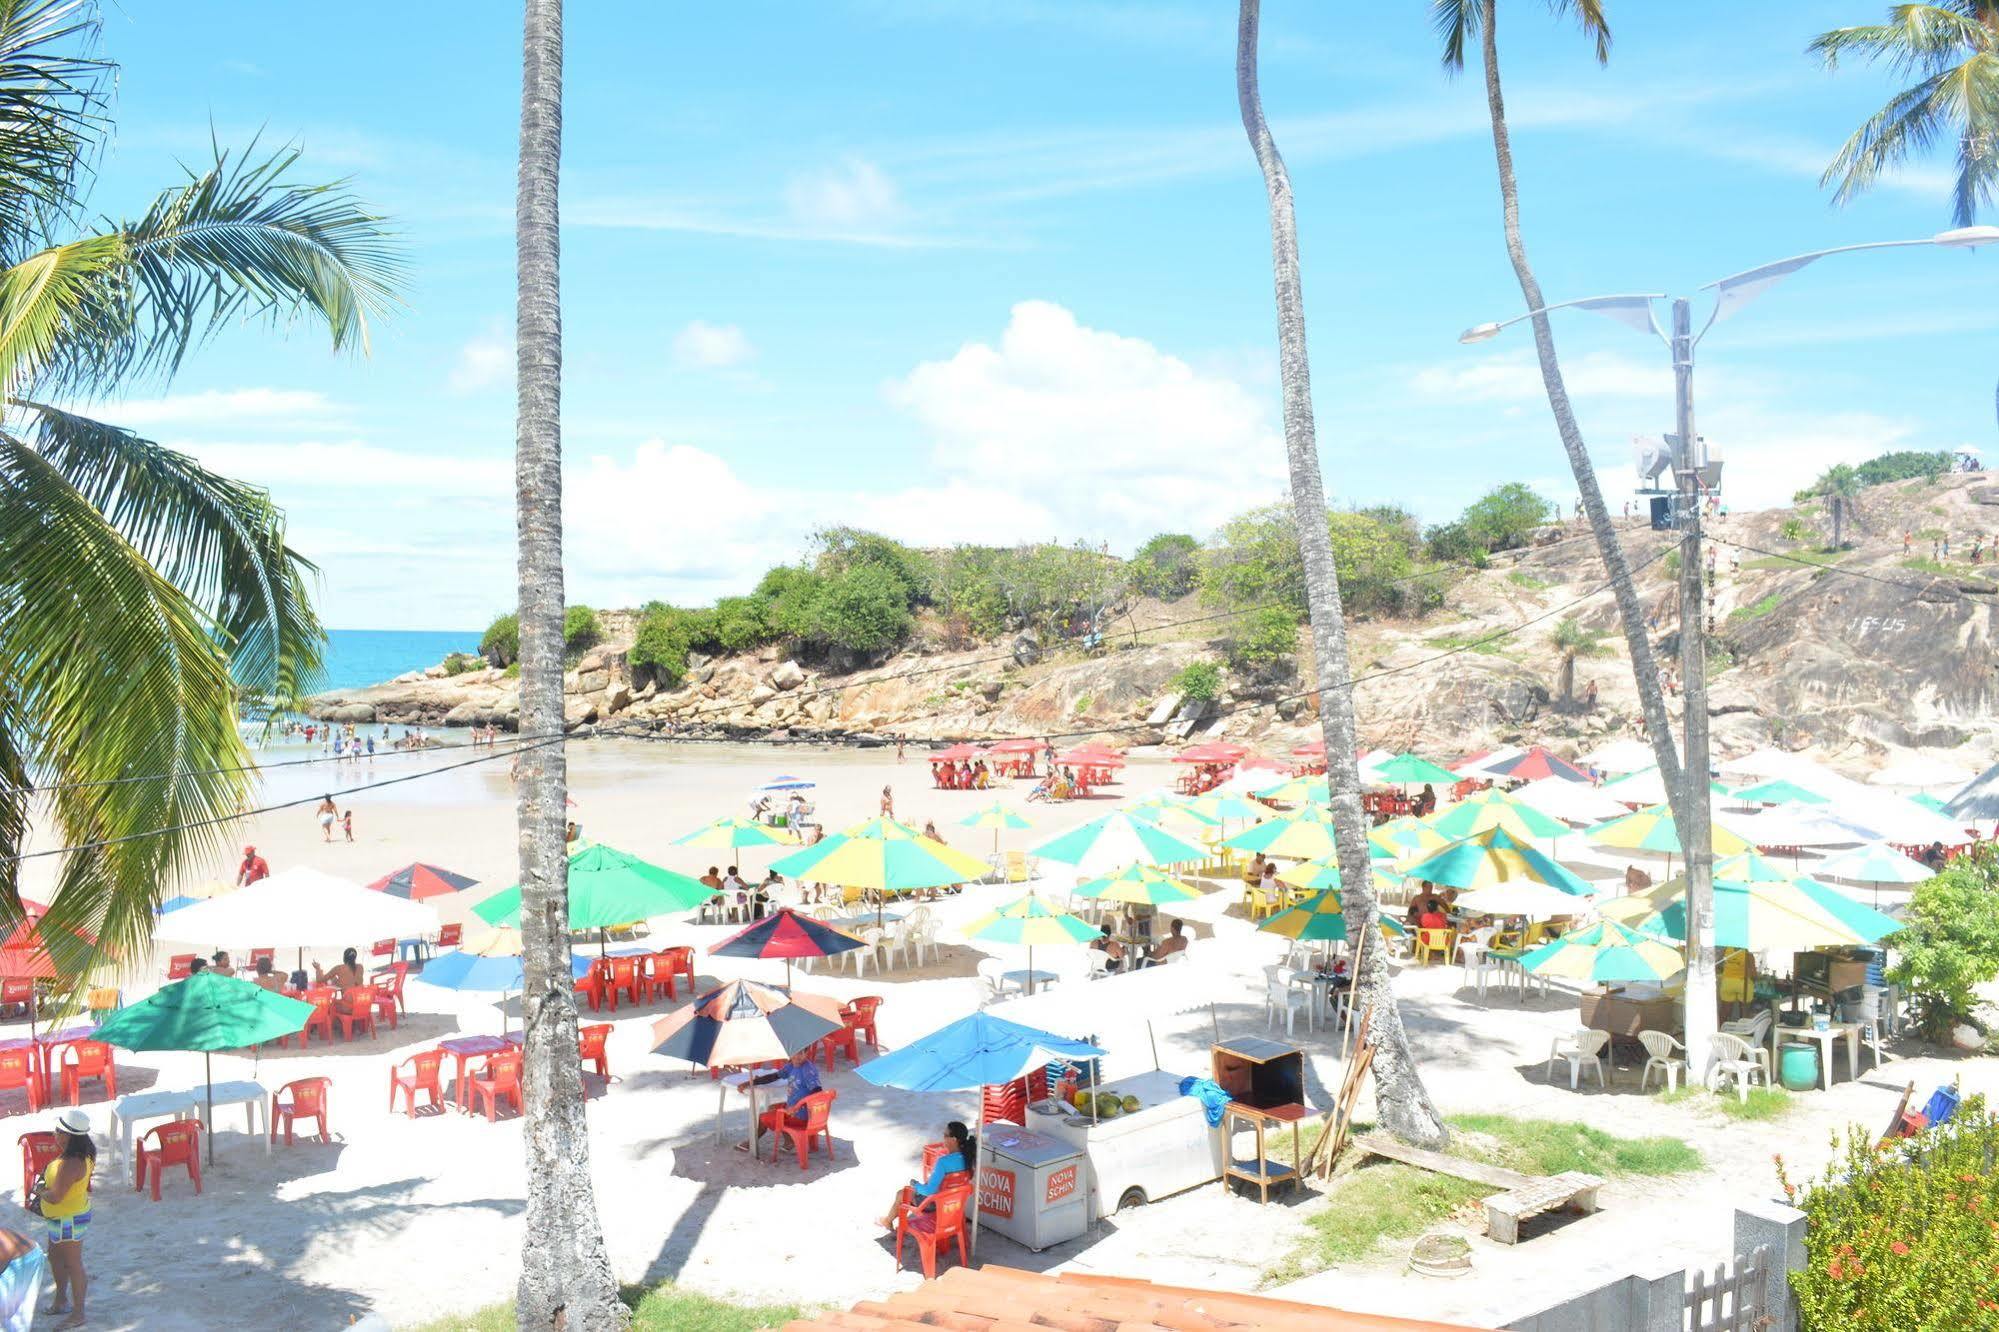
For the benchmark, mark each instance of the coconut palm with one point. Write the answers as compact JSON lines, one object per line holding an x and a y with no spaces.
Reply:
{"x":139,"y":591}
{"x":1953,"y":50}
{"x":1839,"y":486}
{"x":1404,"y":1104}
{"x":1459,"y":23}
{"x":1573,"y":641}
{"x":566,"y":1277}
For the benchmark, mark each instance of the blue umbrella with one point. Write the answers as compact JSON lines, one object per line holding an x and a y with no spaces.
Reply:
{"x":174,"y":904}
{"x":787,"y":783}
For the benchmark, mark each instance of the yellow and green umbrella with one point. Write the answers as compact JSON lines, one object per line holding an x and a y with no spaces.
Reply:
{"x":1606,"y":951}
{"x":1298,"y":791}
{"x":1319,"y":918}
{"x":729,"y":834}
{"x":1495,"y":809}
{"x":884,"y":855}
{"x":997,"y":817}
{"x":1778,"y":792}
{"x":1223,"y":805}
{"x":1653,"y":829}
{"x":1306,"y":833}
{"x":1409,"y":770}
{"x":1162,"y":805}
{"x":1318,"y":875}
{"x":1751,"y":867}
{"x":1401,"y":838}
{"x":1492,"y":857}
{"x":1116,"y":840}
{"x":1780,"y":917}
{"x":1140,"y":884}
{"x":1032,"y":922}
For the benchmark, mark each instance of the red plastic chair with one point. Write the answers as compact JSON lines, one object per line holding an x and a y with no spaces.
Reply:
{"x":18,"y":994}
{"x":595,"y":986}
{"x":303,"y":1099}
{"x":818,"y":1108}
{"x":450,"y":936}
{"x":180,"y":966}
{"x":423,"y":1076}
{"x":383,"y":948}
{"x":321,"y":1020}
{"x":83,"y":1060}
{"x":388,"y":983}
{"x":831,"y":1044}
{"x":626,"y":979}
{"x":18,"y":1073}
{"x":590,"y":1047}
{"x":500,"y":1078}
{"x":360,"y":1013}
{"x":38,"y":1149}
{"x":681,"y":962}
{"x":934,"y":1223}
{"x":256,"y":953}
{"x":175,"y":1144}
{"x":656,"y":974}
{"x":859,"y":1015}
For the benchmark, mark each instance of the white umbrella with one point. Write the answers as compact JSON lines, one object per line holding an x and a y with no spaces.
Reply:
{"x":1977,"y":798}
{"x":1794,"y":824}
{"x":1893,"y":818}
{"x":1524,"y":897}
{"x":299,"y":908}
{"x":1575,"y":802}
{"x":1923,"y":772}
{"x":1873,"y":864}
{"x":1621,"y":756}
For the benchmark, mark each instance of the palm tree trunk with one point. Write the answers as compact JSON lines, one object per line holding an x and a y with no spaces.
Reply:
{"x":1644,"y":667}
{"x":566,"y":1278}
{"x":1401,"y":1101}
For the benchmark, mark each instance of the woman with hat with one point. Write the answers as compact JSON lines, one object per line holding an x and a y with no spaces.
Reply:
{"x":62,"y":1196}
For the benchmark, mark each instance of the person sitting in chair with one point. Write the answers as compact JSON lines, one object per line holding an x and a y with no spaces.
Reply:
{"x":957,"y":1161}
{"x":801,"y":1077}
{"x":1174,"y":942}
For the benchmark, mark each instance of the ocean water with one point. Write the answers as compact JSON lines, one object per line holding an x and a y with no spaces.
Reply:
{"x":356,"y":657}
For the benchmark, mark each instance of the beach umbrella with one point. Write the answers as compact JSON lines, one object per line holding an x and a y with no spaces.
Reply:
{"x":1022,"y":745}
{"x":1802,"y":825}
{"x":1653,"y":829}
{"x":298,"y":908}
{"x":787,"y":783}
{"x":1494,"y":856}
{"x":1874,"y":864}
{"x":1402,"y":837}
{"x":1777,"y":791}
{"x":1932,"y":803}
{"x":785,"y":933}
{"x":731,"y":834}
{"x":1220,"y":806}
{"x":1495,"y":809}
{"x":208,"y":888}
{"x":1159,"y":806}
{"x":490,"y":963}
{"x":1761,"y":917}
{"x":1031,"y":923}
{"x":1305,"y":833}
{"x":1923,"y":771}
{"x":997,"y":817}
{"x":1535,"y":764}
{"x":1299,"y":791}
{"x":206,"y":1012}
{"x":1318,"y":875}
{"x":885,"y":856}
{"x":1116,"y":840}
{"x":1410,"y":770}
{"x":957,"y":753}
{"x":1606,"y":951}
{"x":608,"y":887}
{"x":173,"y":904}
{"x":24,"y":953}
{"x":1888,"y":817}
{"x":1480,"y":765}
{"x":1577,"y":802}
{"x":1646,"y":787}
{"x":1320,"y":919}
{"x":1626,"y":755}
{"x":1751,"y":867}
{"x":416,"y":881}
{"x":1091,"y":756}
{"x":1140,"y":884}
{"x":1214,"y":751}
{"x":1521,"y":897}
{"x":744,"y":1023}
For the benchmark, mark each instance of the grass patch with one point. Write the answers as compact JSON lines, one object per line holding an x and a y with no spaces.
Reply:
{"x":1083,"y":705}
{"x":1764,"y":1103}
{"x":1533,"y":583}
{"x":662,"y":1308}
{"x":1486,"y":644}
{"x":1924,"y":564}
{"x":1389,"y":1201}
{"x":1757,"y":611}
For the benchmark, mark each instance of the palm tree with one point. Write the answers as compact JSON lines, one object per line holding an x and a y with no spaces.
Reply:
{"x":566,"y":1278}
{"x":139,"y":590}
{"x":1400,"y":1097}
{"x":1838,"y":486}
{"x":1953,"y":48}
{"x":1459,"y":23}
{"x":1573,"y":641}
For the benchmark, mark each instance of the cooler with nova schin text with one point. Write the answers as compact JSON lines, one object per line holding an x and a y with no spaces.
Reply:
{"x":1032,"y":1188}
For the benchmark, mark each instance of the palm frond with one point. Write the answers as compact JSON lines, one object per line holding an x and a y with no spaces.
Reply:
{"x":51,"y":115}
{"x":221,"y":542}
{"x":1907,"y":125}
{"x":1917,"y":38}
{"x":47,"y":297}
{"x":1590,"y":18}
{"x":1457,"y":23}
{"x":14,"y":796}
{"x":123,"y":678}
{"x":1971,"y":94}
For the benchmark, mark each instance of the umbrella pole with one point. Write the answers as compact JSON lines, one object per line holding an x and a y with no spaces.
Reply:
{"x":208,"y":1076}
{"x":978,"y":1173}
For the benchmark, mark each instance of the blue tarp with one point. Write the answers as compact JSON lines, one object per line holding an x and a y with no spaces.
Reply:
{"x":1210,"y":1094}
{"x":973,"y":1052}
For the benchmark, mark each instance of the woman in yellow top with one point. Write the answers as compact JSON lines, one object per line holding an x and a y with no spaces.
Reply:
{"x":62,"y":1196}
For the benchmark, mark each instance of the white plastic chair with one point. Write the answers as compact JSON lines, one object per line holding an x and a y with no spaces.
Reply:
{"x":1099,"y":964}
{"x":921,"y":938}
{"x":1281,"y":995}
{"x":1582,"y":1047}
{"x":1729,"y":1056}
{"x":1662,"y":1050}
{"x":894,"y":942}
{"x":871,"y":939}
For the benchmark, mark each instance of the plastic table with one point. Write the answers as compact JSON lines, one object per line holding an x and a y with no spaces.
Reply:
{"x":128,"y":1111}
{"x":1824,"y":1039}
{"x":244,"y":1092}
{"x":464,"y":1049}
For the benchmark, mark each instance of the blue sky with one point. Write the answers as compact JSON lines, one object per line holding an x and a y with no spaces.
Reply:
{"x":974,"y":271}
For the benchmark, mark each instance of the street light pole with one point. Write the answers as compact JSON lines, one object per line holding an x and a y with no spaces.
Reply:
{"x":1696,"y":840}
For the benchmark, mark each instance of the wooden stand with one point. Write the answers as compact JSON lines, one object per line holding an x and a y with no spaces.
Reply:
{"x":1260,"y":1170}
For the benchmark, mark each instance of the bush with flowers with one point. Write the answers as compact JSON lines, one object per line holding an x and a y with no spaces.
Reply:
{"x":1903,"y":1235}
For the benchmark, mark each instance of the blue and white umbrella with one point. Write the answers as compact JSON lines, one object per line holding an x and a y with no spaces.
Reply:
{"x":787,"y":784}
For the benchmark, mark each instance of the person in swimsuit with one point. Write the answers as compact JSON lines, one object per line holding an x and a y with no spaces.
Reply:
{"x":23,"y":1270}
{"x":62,"y":1196}
{"x":327,"y":814}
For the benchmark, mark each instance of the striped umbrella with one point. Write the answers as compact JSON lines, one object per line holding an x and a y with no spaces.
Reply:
{"x":997,"y":817}
{"x":785,"y":933}
{"x":1299,"y":791}
{"x":1495,"y":809}
{"x":743,"y":1023}
{"x":1159,"y":806}
{"x":1141,"y":884}
{"x":1224,"y":805}
{"x":1318,"y":875}
{"x":1319,"y":918}
{"x":416,"y":881}
{"x":1409,"y":770}
{"x":1778,"y":792}
{"x":1031,"y":922}
{"x":729,"y":834}
{"x":1306,"y":833}
{"x":1494,"y":856}
{"x":608,"y":887}
{"x":1535,"y":764}
{"x":1760,"y":917}
{"x":1653,"y":829}
{"x":883,"y":855}
{"x":1116,"y":840}
{"x":1875,"y":864}
{"x":1606,"y":951}
{"x":1751,"y":867}
{"x":1406,"y":836}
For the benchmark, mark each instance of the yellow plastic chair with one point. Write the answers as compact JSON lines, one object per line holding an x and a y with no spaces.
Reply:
{"x":1255,"y":902}
{"x":1433,"y":943}
{"x":1016,"y":867}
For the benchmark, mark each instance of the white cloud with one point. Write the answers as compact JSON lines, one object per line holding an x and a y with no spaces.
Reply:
{"x":1093,"y":433}
{"x":296,"y":471}
{"x":484,"y":361}
{"x":215,"y":407}
{"x":1768,"y":455}
{"x":1516,"y":377}
{"x":707,"y":346}
{"x":855,"y":195}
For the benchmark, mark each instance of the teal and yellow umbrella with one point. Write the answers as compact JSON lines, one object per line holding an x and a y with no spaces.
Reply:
{"x":1653,"y":829}
{"x":1606,"y":951}
{"x":1491,"y":857}
{"x":1763,"y":916}
{"x":1224,"y":805}
{"x":1032,"y":922}
{"x":1751,"y":867}
{"x":731,"y":834}
{"x":1163,"y":805}
{"x":1116,"y":840}
{"x":1409,"y":770}
{"x":1306,"y":833}
{"x":997,"y":817}
{"x":1318,"y":875}
{"x":884,"y":855}
{"x":1495,"y":809}
{"x":1139,"y":884}
{"x":1778,"y":792}
{"x":1398,"y":839}
{"x":1298,"y":791}
{"x":1318,"y":919}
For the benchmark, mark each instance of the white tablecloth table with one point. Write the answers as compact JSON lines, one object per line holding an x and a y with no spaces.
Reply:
{"x":128,"y":1111}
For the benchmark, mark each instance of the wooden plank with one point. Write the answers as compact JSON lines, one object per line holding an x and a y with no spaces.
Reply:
{"x":1498,"y":1177}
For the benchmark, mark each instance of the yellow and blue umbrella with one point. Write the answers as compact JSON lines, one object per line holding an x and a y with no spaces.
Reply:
{"x":997,"y":817}
{"x":1758,"y":916}
{"x":1403,"y":837}
{"x":1494,"y":856}
{"x":1653,"y":829}
{"x":1032,"y":923}
{"x":1318,"y":875}
{"x":1606,"y":951}
{"x":1140,"y":884}
{"x":1306,"y":833}
{"x":1495,"y":809}
{"x":1298,"y":791}
{"x":728,"y":834}
{"x":1319,"y":918}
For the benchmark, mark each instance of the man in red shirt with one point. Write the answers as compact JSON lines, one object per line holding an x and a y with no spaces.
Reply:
{"x":253,"y":868}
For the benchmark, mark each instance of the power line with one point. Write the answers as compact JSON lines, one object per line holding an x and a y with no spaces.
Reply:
{"x":1803,"y":563}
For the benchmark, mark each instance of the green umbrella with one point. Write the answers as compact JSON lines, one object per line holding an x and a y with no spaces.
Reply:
{"x":1928,"y":801}
{"x":608,"y":887}
{"x":1750,"y":867}
{"x":1140,"y":884}
{"x":1410,"y":769}
{"x":207,"y":1011}
{"x":1494,"y":856}
{"x":997,"y":817}
{"x":1116,"y":840}
{"x":1778,"y":792}
{"x":1320,"y":918}
{"x":1031,"y":922}
{"x":1606,"y":951}
{"x":1495,"y":809}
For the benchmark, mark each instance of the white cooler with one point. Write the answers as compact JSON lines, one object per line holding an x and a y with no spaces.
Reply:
{"x":1031,"y":1187}
{"x":1166,"y":1147}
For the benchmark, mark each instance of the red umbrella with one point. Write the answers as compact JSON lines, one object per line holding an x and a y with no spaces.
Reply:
{"x":1215,"y":751}
{"x":1310,"y":749}
{"x":1255,"y":761}
{"x":1089,"y":756}
{"x":957,"y":753}
{"x":786,"y":934}
{"x":1537,"y":763}
{"x":1020,"y":746}
{"x":416,"y":881}
{"x":23,"y":955}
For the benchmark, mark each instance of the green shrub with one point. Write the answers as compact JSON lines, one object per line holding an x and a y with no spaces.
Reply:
{"x":1454,"y":543}
{"x":740,"y":623}
{"x":1255,"y":559}
{"x":501,"y":643}
{"x":787,"y":594}
{"x":1264,"y":636}
{"x":460,"y":662}
{"x":1200,"y":680}
{"x":1903,"y":464}
{"x":580,"y":631}
{"x":666,"y":634}
{"x":1505,"y":517}
{"x":1905,"y":1235}
{"x":846,"y":549}
{"x":1950,"y":944}
{"x":1166,"y":566}
{"x":513,"y":671}
{"x":1796,"y":530}
{"x":862,"y":609}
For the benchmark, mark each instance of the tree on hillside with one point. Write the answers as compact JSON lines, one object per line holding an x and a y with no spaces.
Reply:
{"x":1459,"y":23}
{"x":1573,"y":641}
{"x":1165,"y":566}
{"x":1505,"y":517}
{"x":1838,"y":486}
{"x":565,"y":1278}
{"x":139,"y":591}
{"x":1953,"y":50}
{"x":1402,"y":1101}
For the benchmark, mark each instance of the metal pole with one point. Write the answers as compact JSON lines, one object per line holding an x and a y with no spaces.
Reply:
{"x":1696,"y":838}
